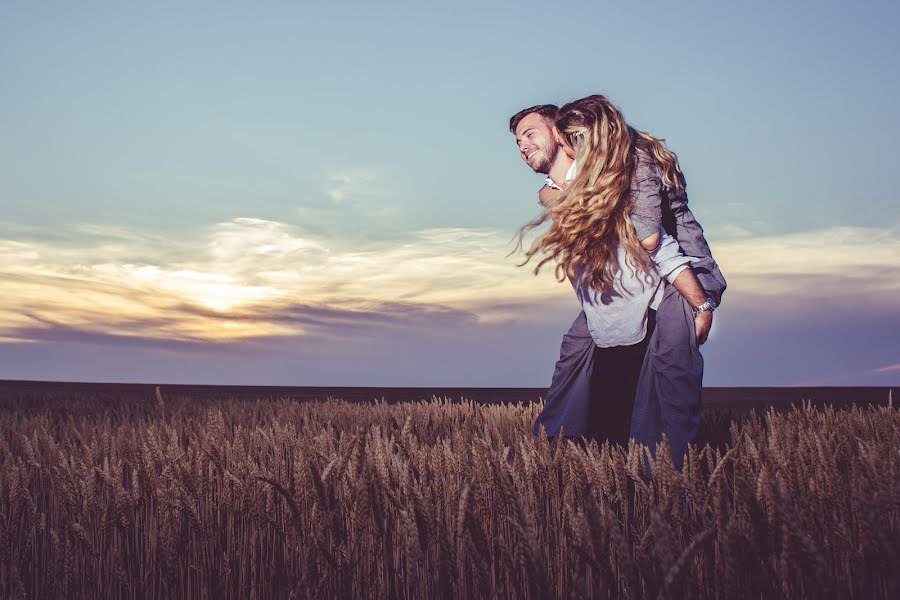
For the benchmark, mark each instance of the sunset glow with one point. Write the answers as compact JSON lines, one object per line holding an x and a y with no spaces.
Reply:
{"x":328,"y":195}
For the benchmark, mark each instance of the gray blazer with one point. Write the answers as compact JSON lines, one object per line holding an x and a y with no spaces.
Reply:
{"x":668,"y":393}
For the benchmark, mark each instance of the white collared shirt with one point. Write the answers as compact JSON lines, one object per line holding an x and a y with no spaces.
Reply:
{"x":570,"y":175}
{"x":620,"y":318}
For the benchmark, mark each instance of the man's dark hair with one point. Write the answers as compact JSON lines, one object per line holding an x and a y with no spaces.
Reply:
{"x":548,"y":111}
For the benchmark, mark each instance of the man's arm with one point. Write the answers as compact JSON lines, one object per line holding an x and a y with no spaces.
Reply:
{"x":689,"y":286}
{"x":676,"y":268}
{"x":677,"y":216}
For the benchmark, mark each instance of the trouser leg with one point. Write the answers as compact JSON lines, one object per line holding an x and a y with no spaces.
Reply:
{"x":566,"y":404}
{"x":669,"y":394}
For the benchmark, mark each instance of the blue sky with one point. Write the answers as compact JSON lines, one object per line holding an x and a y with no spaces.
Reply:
{"x":304,"y":194}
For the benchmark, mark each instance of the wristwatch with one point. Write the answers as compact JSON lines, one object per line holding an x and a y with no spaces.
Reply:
{"x":709,"y":305}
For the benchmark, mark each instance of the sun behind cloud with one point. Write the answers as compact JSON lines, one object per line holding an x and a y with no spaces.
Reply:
{"x":226,"y":282}
{"x":251,"y":278}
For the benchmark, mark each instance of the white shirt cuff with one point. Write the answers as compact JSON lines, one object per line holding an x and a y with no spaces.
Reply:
{"x":671,"y":276}
{"x":669,"y":258}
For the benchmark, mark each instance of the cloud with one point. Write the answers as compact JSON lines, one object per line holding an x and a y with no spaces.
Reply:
{"x":313,"y":323}
{"x":796,"y":306}
{"x":352,"y":184}
{"x":730,"y":230}
{"x":839,"y":262}
{"x":251,"y":277}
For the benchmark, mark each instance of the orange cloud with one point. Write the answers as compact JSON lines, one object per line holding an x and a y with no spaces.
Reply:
{"x":229,"y":280}
{"x":251,"y":278}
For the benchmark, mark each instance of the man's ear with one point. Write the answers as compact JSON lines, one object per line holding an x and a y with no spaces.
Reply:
{"x":570,"y":152}
{"x":557,"y":135}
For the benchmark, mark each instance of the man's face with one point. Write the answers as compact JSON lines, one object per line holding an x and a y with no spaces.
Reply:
{"x":537,"y":146}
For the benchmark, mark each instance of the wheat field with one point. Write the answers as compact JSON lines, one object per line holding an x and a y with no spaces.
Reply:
{"x":174,"y":498}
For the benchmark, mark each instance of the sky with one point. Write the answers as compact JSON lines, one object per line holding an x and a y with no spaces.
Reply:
{"x":294,"y":193}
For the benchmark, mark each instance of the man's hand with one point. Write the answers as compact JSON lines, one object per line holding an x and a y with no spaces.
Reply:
{"x":702,"y":324}
{"x":688,"y":286}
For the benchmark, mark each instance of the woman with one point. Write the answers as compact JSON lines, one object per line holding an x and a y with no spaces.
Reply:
{"x":607,"y":236}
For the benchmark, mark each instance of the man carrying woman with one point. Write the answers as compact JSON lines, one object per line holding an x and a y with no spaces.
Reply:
{"x":622,"y":233}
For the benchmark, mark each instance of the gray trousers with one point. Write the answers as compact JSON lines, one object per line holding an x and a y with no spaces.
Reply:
{"x":567,"y":402}
{"x":668,"y":392}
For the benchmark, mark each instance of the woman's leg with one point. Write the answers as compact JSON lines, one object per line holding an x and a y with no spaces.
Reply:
{"x":567,"y":400}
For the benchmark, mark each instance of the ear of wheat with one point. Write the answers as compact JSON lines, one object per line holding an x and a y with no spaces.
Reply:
{"x":228,"y":498}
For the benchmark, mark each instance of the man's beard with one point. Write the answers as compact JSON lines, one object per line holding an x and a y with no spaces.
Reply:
{"x":547,"y":160}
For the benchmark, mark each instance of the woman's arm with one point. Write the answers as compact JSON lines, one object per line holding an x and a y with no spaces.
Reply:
{"x":547,"y":196}
{"x":646,"y":216}
{"x":673,"y":264}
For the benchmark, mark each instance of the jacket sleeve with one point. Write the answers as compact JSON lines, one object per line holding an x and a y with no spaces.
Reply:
{"x":646,"y":202}
{"x":669,"y":258}
{"x":679,"y":221}
{"x":646,"y":216}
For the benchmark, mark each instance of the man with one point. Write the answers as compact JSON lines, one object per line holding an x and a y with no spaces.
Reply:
{"x":668,"y":395}
{"x":568,"y":398}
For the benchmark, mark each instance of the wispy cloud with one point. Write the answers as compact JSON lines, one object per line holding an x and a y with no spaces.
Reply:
{"x":350,"y":184}
{"x":251,"y":278}
{"x":731,"y":230}
{"x":839,"y":262}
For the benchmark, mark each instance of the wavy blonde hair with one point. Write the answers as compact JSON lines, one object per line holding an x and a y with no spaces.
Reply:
{"x":591,"y":217}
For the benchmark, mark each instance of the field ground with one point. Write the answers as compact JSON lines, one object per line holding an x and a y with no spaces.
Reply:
{"x":733,"y":398}
{"x":720,"y":405}
{"x":214,"y":492}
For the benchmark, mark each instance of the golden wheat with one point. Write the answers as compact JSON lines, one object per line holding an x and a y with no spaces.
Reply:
{"x":174,"y":497}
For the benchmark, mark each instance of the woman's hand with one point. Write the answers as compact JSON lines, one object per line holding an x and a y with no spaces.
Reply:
{"x":702,"y":324}
{"x":547,"y":196}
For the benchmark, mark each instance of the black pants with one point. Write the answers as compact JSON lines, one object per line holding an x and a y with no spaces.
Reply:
{"x":614,"y":380}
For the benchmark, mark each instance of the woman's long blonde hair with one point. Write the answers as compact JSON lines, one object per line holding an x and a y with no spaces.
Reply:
{"x":591,"y":217}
